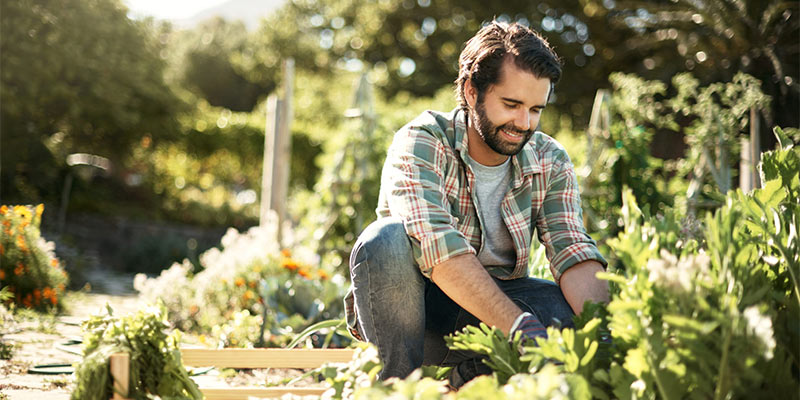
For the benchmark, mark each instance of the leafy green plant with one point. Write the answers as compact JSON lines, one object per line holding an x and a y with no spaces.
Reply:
{"x":361,"y":372}
{"x":696,"y":323}
{"x":502,"y":353}
{"x":155,"y":359}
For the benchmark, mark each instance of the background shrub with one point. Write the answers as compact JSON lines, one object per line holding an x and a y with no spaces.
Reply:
{"x":28,"y":266}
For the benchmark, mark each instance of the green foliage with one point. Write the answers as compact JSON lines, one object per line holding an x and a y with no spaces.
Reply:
{"x":707,"y":323}
{"x":30,"y":273}
{"x":719,"y":113}
{"x":202,"y":60}
{"x":155,"y":359}
{"x":68,"y":84}
{"x":710,"y":118}
{"x":360,"y":373}
{"x":502,"y":353}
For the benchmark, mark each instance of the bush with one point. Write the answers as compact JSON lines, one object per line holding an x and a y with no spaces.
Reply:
{"x":28,"y":265}
{"x":249,"y":283}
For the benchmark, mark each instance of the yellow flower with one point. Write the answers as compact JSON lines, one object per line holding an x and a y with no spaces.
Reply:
{"x":54,"y":263}
{"x":286,"y":253}
{"x":39,"y":211}
{"x":23,"y":212}
{"x":239,"y":281}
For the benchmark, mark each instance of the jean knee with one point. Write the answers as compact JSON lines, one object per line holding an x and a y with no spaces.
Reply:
{"x":383,"y":245}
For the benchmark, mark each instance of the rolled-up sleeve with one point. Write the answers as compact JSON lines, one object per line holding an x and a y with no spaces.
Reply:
{"x":412,"y":183}
{"x":560,"y":221}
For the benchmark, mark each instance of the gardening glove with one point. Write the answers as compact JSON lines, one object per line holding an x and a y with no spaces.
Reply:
{"x":530,"y":326}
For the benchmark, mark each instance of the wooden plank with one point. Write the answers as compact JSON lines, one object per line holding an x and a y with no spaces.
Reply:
{"x":264,"y":358}
{"x":243,"y":393}
{"x":120,"y":374}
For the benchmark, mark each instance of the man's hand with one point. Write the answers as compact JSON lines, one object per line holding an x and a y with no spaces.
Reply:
{"x":466,"y":282}
{"x":579,"y":284}
{"x":530,"y":326}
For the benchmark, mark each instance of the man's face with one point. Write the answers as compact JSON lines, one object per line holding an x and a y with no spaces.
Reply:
{"x":504,"y":118}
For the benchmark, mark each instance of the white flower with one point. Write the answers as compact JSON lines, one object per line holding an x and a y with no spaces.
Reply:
{"x":760,"y":326}
{"x":678,"y":275}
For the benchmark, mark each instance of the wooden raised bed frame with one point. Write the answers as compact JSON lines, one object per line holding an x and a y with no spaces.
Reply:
{"x":241,"y":358}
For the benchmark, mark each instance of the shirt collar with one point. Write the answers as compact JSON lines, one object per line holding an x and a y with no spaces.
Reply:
{"x":524,"y":163}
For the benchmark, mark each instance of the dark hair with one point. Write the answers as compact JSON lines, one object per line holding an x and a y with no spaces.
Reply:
{"x":483,"y":55}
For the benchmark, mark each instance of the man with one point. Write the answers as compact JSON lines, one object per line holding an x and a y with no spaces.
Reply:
{"x":461,"y":194}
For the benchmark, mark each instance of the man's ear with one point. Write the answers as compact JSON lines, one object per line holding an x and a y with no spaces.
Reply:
{"x":470,"y":93}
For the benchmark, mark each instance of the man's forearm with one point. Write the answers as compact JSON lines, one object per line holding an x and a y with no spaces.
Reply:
{"x":466,"y":282}
{"x":578,"y":283}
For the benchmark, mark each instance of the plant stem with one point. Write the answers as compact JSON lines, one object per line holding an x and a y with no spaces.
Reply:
{"x":723,"y":364}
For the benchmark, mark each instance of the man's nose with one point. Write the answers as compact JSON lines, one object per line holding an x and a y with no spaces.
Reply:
{"x":523,"y":120}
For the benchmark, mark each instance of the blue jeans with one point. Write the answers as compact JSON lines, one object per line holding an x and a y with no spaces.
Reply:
{"x":406,"y":316}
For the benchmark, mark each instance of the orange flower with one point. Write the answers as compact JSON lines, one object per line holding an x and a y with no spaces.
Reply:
{"x":239,"y":281}
{"x":54,"y":263}
{"x":37,"y":294}
{"x":47,"y":292}
{"x":20,"y":269}
{"x":54,"y":300}
{"x":194,"y":309}
{"x":2,"y":250}
{"x":251,"y":284}
{"x":2,"y":274}
{"x":247,"y":295}
{"x":304,"y":273}
{"x":286,"y":253}
{"x":21,"y":243}
{"x":27,"y":301}
{"x":323,"y":275}
{"x":3,"y":210}
{"x":7,"y":223}
{"x":60,"y":286}
{"x":290,"y":265}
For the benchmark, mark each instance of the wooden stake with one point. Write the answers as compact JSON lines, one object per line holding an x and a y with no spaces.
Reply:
{"x":120,"y":374}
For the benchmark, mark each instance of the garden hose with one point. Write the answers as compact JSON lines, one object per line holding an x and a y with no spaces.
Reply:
{"x":52,"y":369}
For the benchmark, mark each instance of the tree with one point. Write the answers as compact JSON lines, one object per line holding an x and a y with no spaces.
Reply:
{"x":77,"y":76}
{"x":414,"y":45}
{"x":202,"y":62}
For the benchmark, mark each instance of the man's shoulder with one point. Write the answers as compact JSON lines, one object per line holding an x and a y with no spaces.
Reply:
{"x":434,"y":123}
{"x":547,"y":149}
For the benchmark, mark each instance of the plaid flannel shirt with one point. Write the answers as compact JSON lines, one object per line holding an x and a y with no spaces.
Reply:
{"x":426,"y":182}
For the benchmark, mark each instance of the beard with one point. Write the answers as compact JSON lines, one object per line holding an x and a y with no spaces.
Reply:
{"x":491,"y":135}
